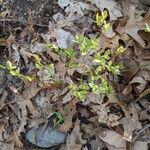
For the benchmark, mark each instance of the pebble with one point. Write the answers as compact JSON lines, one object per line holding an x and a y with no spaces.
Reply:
{"x":45,"y":137}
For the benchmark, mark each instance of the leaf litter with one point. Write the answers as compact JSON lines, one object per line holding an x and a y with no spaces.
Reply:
{"x":101,"y":122}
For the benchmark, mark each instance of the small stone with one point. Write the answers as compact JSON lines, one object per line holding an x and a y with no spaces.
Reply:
{"x":45,"y":137}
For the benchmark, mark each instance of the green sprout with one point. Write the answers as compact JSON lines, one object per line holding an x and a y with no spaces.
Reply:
{"x":69,"y":53}
{"x":147,"y":27}
{"x":101,"y":18}
{"x":101,"y":64}
{"x":120,"y":50}
{"x":14,"y":71}
{"x":106,"y":27}
{"x":38,"y":64}
{"x":102,"y":88}
{"x":53,"y":46}
{"x":86,"y":44}
{"x":79,"y":91}
{"x":59,"y":119}
{"x":101,"y":21}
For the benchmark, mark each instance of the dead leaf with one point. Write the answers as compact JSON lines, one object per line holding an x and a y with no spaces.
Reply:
{"x":68,"y":112}
{"x":61,"y":69}
{"x":113,"y":139}
{"x":130,"y":124}
{"x":132,"y":27}
{"x":67,"y":98}
{"x":112,"y":6}
{"x":74,"y":140}
{"x":139,"y":145}
{"x":6,"y":146}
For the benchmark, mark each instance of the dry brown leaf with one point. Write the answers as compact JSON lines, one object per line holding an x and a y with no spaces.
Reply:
{"x":132,"y":27}
{"x":139,"y":145}
{"x":7,"y":146}
{"x":61,"y":69}
{"x":130,"y":124}
{"x":68,"y":111}
{"x":141,"y":81}
{"x":113,"y":139}
{"x":141,"y":78}
{"x":67,"y":98}
{"x":111,"y":5}
{"x":74,"y":140}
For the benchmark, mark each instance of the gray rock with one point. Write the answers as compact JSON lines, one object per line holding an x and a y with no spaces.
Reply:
{"x":45,"y":137}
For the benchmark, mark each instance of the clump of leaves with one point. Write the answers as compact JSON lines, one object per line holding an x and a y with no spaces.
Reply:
{"x":101,"y":21}
{"x":96,"y":81}
{"x":86,"y":44}
{"x":14,"y":71}
{"x":79,"y":91}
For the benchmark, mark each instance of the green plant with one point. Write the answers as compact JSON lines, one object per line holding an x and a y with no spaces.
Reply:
{"x":101,"y":21}
{"x":101,"y":18}
{"x":59,"y":119}
{"x":79,"y":91}
{"x":147,"y":28}
{"x":101,"y":88}
{"x":101,"y":64}
{"x":86,"y":44}
{"x":14,"y":71}
{"x":120,"y":50}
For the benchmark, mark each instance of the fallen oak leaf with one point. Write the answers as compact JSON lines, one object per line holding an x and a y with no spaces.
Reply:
{"x":132,"y":27}
{"x":74,"y":140}
{"x":113,"y":139}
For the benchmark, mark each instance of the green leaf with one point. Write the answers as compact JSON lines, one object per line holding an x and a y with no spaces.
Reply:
{"x":101,"y":18}
{"x":120,"y":50}
{"x":99,"y":59}
{"x":59,"y":118}
{"x":147,"y":27}
{"x":106,"y":27}
{"x":10,"y":65}
{"x":114,"y":68}
{"x":69,"y":52}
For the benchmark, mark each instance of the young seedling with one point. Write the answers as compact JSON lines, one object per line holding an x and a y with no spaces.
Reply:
{"x":120,"y":50}
{"x":101,"y":18}
{"x":14,"y":71}
{"x":86,"y":44}
{"x":106,"y":27}
{"x":59,"y":119}
{"x":147,"y":28}
{"x":101,"y":21}
{"x":79,"y":91}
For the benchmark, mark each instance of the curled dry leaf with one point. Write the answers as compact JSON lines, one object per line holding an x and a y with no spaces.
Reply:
{"x":141,"y":78}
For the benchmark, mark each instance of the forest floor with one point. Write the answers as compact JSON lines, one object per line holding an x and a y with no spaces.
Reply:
{"x":66,"y":84}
